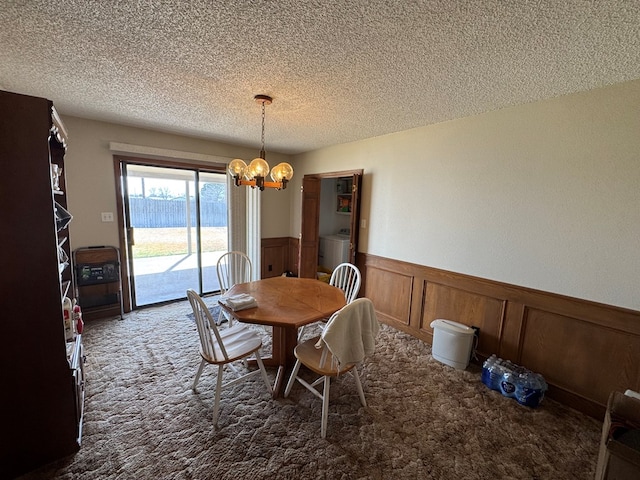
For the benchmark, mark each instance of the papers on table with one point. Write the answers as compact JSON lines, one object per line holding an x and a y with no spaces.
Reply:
{"x":241,"y":301}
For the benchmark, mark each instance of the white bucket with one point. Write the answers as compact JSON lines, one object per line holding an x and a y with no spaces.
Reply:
{"x":452,"y":343}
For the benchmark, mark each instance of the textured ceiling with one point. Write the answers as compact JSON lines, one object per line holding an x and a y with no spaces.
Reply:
{"x":338,"y":70}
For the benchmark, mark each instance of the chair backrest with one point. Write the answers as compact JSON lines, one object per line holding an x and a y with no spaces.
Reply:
{"x":233,"y":267}
{"x":346,"y":277}
{"x":211,"y":345}
{"x":350,"y":332}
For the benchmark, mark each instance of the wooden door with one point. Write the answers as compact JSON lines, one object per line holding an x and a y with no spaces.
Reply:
{"x":355,"y":216}
{"x":308,"y":245}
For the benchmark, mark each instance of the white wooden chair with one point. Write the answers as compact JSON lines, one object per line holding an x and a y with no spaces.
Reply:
{"x":347,"y":278}
{"x":223,"y":347}
{"x":232,"y":268}
{"x":347,"y":339}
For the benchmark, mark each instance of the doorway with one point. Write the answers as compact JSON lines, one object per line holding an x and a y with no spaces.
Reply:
{"x":174,"y":229}
{"x":330,"y":209}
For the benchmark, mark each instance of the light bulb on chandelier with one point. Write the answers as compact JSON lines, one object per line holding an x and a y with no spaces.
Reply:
{"x":254,"y":174}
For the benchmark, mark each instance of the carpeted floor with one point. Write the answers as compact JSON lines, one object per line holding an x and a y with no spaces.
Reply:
{"x":424,"y":420}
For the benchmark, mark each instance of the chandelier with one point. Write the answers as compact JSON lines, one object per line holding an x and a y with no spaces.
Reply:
{"x":254,"y":174}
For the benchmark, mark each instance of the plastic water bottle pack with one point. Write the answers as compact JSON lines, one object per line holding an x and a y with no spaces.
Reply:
{"x":514,"y":381}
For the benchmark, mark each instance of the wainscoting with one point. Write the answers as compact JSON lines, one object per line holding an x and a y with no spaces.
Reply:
{"x":585,"y":350}
{"x":279,"y":255}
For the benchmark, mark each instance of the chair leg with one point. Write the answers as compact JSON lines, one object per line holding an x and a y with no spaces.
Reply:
{"x":359,"y":386}
{"x":216,"y":404}
{"x":325,"y":406}
{"x":222,"y":316}
{"x":263,"y":372}
{"x":195,"y":381}
{"x":292,"y":378}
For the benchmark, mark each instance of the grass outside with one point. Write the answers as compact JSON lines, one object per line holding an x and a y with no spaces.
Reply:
{"x":158,"y":242}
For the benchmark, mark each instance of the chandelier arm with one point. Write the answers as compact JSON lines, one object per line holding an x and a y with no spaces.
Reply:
{"x":261,"y":185}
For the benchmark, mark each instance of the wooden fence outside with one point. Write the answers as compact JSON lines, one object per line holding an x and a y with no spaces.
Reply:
{"x":161,"y":213}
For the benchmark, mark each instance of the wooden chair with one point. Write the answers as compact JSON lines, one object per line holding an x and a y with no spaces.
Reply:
{"x":232,"y":268}
{"x":222,"y":347}
{"x":347,"y":338}
{"x":347,"y":278}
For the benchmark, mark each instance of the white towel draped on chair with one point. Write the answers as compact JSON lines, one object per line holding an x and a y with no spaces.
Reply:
{"x":350,"y":340}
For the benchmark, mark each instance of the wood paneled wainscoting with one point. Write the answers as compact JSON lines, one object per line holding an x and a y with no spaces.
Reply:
{"x":279,"y":255}
{"x":585,"y":350}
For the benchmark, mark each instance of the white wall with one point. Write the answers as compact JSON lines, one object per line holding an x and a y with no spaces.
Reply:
{"x":545,"y":195}
{"x":91,"y":185}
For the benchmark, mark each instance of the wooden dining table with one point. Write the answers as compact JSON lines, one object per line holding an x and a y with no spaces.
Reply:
{"x":286,"y":304}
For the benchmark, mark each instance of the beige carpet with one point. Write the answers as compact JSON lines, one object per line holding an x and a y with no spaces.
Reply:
{"x":424,"y":420}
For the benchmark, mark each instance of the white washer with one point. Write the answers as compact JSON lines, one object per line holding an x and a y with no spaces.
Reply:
{"x":333,"y":250}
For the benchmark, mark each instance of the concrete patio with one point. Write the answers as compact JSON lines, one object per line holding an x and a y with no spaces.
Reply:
{"x":161,"y":279}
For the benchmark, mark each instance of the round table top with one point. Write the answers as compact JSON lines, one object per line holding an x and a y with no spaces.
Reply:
{"x":288,"y":301}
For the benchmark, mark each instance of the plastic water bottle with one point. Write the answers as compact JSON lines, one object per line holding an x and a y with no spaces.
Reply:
{"x":496,"y":375}
{"x":487,"y":367}
{"x":492,"y":372}
{"x":542,"y":385}
{"x":508,"y":383}
{"x":530,"y":390}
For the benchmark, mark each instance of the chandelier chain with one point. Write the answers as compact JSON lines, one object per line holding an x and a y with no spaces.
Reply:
{"x":262,"y":127}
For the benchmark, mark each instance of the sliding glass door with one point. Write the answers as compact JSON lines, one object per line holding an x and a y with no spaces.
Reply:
{"x":176,"y":229}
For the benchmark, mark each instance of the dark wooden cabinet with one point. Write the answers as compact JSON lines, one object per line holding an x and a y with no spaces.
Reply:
{"x":41,"y":405}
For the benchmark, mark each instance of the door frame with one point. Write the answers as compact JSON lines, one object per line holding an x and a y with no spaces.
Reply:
{"x":310,"y":219}
{"x":126,"y":272}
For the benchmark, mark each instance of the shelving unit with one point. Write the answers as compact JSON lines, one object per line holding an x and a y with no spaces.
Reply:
{"x":344,"y":196}
{"x":98,"y":284}
{"x":42,"y":408}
